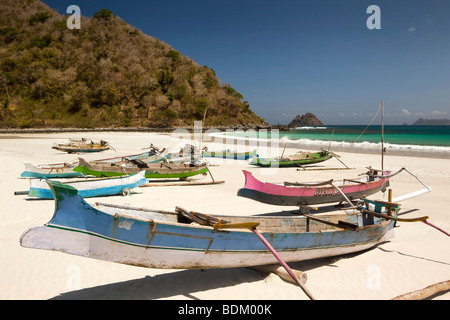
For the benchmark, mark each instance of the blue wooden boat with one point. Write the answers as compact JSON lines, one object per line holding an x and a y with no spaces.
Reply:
{"x":87,"y":188}
{"x":162,"y":239}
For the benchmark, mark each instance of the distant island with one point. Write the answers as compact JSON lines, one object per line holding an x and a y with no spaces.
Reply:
{"x":306,"y":120}
{"x":432,"y":122}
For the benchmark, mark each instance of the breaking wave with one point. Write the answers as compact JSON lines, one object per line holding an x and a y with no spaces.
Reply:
{"x":363,"y":146}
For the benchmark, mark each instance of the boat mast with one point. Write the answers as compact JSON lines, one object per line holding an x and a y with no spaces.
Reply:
{"x":382,"y":139}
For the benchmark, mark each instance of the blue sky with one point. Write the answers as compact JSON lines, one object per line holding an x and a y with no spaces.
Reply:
{"x":298,"y":56}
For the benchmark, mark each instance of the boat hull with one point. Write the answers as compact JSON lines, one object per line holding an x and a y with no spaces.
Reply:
{"x":91,"y":187}
{"x":229,"y":155}
{"x":59,"y":170}
{"x":80,"y":229}
{"x":155,"y":171}
{"x":64,"y":170}
{"x":101,"y":248}
{"x":75,"y":149}
{"x":294,"y":196}
{"x":308,"y":158}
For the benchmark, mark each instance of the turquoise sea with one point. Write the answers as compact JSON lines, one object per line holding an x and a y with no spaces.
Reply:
{"x":395,"y":135}
{"x":398,"y":139}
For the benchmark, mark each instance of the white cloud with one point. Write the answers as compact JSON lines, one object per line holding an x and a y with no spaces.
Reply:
{"x":406,"y":112}
{"x":438,"y":113}
{"x":411,"y":29}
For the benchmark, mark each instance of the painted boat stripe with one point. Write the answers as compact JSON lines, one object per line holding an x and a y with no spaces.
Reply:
{"x":207,"y":250}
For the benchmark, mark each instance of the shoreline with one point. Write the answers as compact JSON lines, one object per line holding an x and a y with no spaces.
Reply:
{"x":128,"y":129}
{"x":219,"y":132}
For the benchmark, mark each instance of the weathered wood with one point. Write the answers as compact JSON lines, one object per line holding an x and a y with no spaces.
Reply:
{"x":385,"y":216}
{"x":19,"y":193}
{"x":282,"y":273}
{"x":425,"y":292}
{"x":355,"y":181}
{"x":200,"y":218}
{"x":340,"y":224}
{"x":298,"y":184}
{"x":221,"y":224}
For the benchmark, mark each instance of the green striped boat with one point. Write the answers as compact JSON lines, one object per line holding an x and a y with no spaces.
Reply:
{"x":296,"y":160}
{"x":159,"y":170}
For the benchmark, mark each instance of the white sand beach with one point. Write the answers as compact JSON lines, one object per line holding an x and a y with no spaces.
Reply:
{"x":417,"y":257}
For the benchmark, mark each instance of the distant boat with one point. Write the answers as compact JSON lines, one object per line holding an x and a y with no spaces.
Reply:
{"x":229,"y":154}
{"x":82,"y":146}
{"x":298,"y":194}
{"x":87,"y":188}
{"x":162,"y":239}
{"x":296,"y":160}
{"x":188,"y":154}
{"x":159,"y":170}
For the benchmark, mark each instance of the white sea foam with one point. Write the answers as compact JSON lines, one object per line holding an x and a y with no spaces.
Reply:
{"x":363,"y":146}
{"x":311,"y":128}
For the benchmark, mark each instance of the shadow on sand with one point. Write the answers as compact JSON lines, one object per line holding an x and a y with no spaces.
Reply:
{"x":185,"y":282}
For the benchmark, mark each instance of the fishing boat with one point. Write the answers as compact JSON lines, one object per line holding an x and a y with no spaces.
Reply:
{"x":299,"y":159}
{"x":56,"y":170}
{"x":154,"y":155}
{"x":229,"y":154}
{"x":65,"y":170}
{"x":164,"y":239}
{"x":299,"y":194}
{"x":188,"y":154}
{"x":87,"y":188}
{"x":82,"y":146}
{"x":158,"y":170}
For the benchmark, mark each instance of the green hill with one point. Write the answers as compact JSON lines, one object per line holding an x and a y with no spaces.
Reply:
{"x":106,"y":74}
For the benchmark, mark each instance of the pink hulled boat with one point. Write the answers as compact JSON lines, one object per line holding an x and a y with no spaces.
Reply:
{"x":298,"y":194}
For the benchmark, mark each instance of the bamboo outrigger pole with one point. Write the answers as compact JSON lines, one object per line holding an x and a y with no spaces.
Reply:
{"x":252,"y":227}
{"x":282,"y":262}
{"x":382,"y":137}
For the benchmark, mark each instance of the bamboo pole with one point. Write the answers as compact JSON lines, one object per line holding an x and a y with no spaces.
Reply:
{"x":281,"y":261}
{"x":382,"y":136}
{"x":343,"y":194}
{"x":318,"y":169}
{"x":437,"y":228}
{"x":171,"y":184}
{"x":252,"y":227}
{"x":331,"y":139}
{"x":426,"y":292}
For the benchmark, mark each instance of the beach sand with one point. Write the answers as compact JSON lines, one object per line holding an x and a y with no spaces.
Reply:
{"x":418,"y":255}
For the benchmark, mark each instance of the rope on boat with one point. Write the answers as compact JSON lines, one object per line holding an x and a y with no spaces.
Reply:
{"x":365,"y":129}
{"x":409,"y":195}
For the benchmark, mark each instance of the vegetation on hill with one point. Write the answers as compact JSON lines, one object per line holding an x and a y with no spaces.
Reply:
{"x":106,"y":74}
